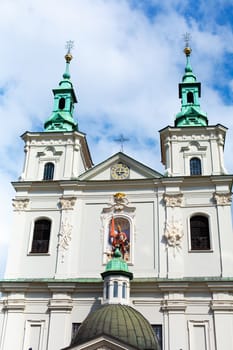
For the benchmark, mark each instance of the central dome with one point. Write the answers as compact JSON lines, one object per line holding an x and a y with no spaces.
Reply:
{"x":120,"y":322}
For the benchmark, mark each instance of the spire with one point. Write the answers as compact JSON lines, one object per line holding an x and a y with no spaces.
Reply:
{"x":64,"y":100}
{"x":190,"y":92}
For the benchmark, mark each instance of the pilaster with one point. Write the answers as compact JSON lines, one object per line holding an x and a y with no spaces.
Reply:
{"x":173,"y":234}
{"x":59,"y":308}
{"x":13,"y":308}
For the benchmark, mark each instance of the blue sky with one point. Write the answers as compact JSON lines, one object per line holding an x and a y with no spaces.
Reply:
{"x":128,"y":61}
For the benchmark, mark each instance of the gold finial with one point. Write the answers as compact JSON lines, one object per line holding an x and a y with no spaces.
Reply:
{"x":187,"y":49}
{"x":69,"y":46}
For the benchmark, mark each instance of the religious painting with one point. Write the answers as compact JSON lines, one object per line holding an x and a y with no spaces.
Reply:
{"x":119,"y":236}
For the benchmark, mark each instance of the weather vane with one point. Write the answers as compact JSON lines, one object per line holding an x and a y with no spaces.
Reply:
{"x":69,"y":45}
{"x":187,"y":38}
{"x":121,"y":139}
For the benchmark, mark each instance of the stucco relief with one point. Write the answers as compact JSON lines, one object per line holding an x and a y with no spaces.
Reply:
{"x":119,"y":204}
{"x":173,"y":200}
{"x":67,"y":203}
{"x":20,"y":204}
{"x":65,"y":236}
{"x":223,"y":198}
{"x":173,"y":235}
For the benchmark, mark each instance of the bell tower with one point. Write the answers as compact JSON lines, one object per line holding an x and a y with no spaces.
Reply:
{"x":192,"y":147}
{"x":44,"y":203}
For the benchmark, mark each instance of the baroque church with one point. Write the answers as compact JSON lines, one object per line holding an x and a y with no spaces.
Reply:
{"x":160,"y":274}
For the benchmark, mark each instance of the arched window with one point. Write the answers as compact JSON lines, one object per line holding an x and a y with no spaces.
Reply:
{"x":115,"y":289}
{"x":41,"y":236}
{"x":62,"y":103}
{"x":199,"y":230}
{"x":195,"y":166}
{"x":190,"y":98}
{"x":48,"y":171}
{"x":124,"y":290}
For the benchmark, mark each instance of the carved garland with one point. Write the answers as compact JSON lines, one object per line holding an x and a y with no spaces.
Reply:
{"x":65,"y":236}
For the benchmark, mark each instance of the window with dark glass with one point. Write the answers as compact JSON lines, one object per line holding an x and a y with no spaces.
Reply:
{"x":190,"y":98}
{"x":124,"y":290}
{"x":199,"y":230}
{"x":75,"y":327}
{"x":41,"y":236}
{"x":48,"y":171}
{"x":115,"y":289}
{"x":107,"y":291}
{"x":195,"y":166}
{"x":158,"y":330}
{"x":62,"y":103}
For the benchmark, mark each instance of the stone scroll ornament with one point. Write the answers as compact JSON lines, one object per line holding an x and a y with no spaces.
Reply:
{"x":173,"y":235}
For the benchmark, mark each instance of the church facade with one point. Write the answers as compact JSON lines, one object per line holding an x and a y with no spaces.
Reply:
{"x":174,"y":231}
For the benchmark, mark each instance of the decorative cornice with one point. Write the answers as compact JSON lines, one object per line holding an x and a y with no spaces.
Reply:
{"x":173,"y":200}
{"x":67,"y":203}
{"x":224,"y":198}
{"x":20,"y":204}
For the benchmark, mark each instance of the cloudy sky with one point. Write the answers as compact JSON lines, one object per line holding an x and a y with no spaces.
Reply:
{"x":128,"y":61}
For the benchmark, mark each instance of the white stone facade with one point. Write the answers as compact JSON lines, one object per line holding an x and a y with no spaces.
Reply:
{"x":187,"y":292}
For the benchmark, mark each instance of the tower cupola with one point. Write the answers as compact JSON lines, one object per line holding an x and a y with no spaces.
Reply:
{"x":116,"y":280}
{"x":190,"y":92}
{"x":64,"y":100}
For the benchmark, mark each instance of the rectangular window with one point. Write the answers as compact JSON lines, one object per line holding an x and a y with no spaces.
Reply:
{"x":158,"y":330}
{"x":75,"y":327}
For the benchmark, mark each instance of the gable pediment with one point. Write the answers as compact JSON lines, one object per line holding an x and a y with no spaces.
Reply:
{"x":102,"y":343}
{"x":110,"y":170}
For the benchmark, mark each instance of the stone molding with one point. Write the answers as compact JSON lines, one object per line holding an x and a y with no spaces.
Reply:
{"x":20,"y":204}
{"x":222,"y":305}
{"x":173,"y":305}
{"x":14,"y":305}
{"x":224,"y":198}
{"x":60,"y":305}
{"x":173,"y":200}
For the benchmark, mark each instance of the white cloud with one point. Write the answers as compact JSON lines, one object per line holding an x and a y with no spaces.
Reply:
{"x":126,"y":69}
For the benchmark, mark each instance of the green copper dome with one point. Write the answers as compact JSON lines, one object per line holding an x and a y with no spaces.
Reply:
{"x":117,"y":265}
{"x":119,"y":322}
